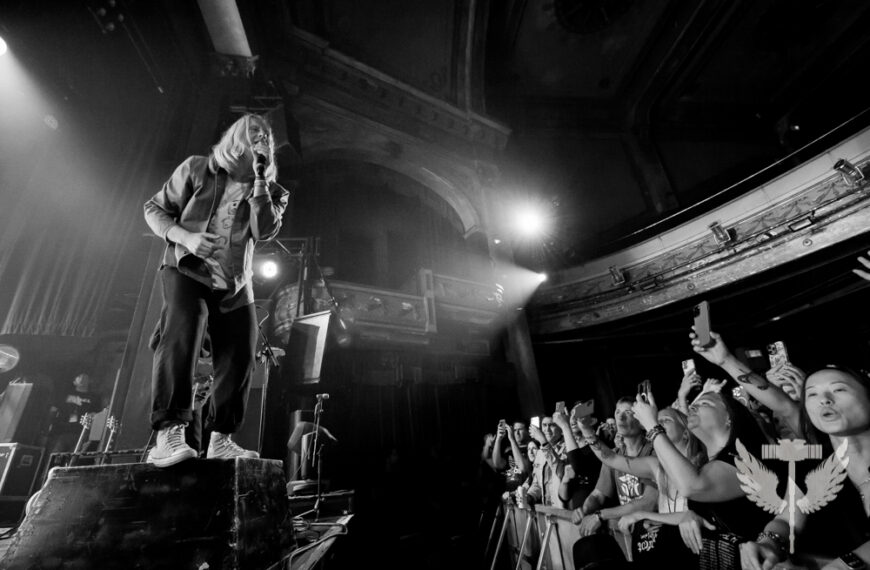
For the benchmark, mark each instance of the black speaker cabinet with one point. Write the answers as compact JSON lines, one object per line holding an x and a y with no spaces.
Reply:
{"x":19,"y":465}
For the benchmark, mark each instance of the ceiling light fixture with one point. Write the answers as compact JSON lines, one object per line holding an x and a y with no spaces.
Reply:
{"x":616,"y":275}
{"x":852,"y":175}
{"x":720,"y":234}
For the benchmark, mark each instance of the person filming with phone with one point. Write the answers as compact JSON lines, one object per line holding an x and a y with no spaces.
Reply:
{"x":598,"y":517}
{"x":549,"y":464}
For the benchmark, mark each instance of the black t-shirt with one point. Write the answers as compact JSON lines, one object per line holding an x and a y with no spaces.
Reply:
{"x":73,"y":407}
{"x":838,"y":527}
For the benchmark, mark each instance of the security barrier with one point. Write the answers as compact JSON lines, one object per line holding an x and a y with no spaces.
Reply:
{"x":539,"y":537}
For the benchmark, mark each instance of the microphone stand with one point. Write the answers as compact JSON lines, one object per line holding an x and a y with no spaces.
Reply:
{"x":317,"y":452}
{"x":314,"y":452}
{"x":270,"y":354}
{"x":267,"y":348}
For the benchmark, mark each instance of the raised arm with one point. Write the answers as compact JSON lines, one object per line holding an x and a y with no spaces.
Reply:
{"x":521,"y":460}
{"x":498,"y":459}
{"x":714,"y":482}
{"x":644,"y":467}
{"x":486,"y":452}
{"x":756,"y":385}
{"x":690,"y":381}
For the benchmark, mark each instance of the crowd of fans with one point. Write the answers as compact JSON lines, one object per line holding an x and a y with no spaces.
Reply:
{"x":706,"y":482}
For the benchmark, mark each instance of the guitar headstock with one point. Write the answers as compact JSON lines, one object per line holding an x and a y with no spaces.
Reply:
{"x":112,"y":424}
{"x":86,"y":420}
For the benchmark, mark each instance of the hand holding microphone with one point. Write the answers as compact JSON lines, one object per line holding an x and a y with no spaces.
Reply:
{"x":259,"y":164}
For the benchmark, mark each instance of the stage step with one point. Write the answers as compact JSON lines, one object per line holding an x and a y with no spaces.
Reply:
{"x":200,"y":515}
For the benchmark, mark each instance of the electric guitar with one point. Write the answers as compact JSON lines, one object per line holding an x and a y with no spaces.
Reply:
{"x":86,"y":420}
{"x":112,"y":425}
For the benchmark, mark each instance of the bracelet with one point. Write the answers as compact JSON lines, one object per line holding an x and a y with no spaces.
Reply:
{"x":777,"y":540}
{"x":853,"y":561}
{"x":593,"y":442}
{"x":654,"y":432}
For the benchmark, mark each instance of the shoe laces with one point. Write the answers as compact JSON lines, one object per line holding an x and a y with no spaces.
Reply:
{"x":224,"y":440}
{"x":175,"y":437}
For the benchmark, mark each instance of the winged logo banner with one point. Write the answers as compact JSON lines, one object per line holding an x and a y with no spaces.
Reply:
{"x":822,"y":483}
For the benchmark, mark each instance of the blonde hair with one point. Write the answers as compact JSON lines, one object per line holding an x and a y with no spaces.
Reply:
{"x":234,"y":142}
{"x":696,"y":452}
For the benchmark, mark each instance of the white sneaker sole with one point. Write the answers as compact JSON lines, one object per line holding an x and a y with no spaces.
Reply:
{"x":248,"y":455}
{"x":172,"y":459}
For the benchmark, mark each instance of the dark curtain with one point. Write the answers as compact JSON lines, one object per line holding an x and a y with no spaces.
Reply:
{"x":71,"y":219}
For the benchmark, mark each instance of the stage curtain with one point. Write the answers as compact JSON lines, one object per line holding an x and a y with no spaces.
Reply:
{"x":71,"y":222}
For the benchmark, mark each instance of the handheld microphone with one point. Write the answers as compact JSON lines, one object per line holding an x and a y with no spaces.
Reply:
{"x":259,"y":164}
{"x":322,"y":396}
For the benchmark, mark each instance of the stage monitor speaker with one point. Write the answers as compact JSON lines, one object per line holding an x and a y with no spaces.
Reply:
{"x":19,"y":465}
{"x":306,"y":346}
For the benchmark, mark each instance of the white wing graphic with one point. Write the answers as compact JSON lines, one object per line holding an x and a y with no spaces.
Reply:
{"x":825,"y":481}
{"x":758,"y":482}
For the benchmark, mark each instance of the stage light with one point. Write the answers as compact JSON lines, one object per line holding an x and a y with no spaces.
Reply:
{"x":269,"y":269}
{"x":542,"y":277}
{"x":530,"y":221}
{"x":3,"y":47}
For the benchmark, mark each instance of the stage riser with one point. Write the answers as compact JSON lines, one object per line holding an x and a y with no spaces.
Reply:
{"x":213,"y":514}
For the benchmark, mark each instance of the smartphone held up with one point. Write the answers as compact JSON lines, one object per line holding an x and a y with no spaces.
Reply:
{"x":583,"y":409}
{"x":688,"y":367}
{"x":701,"y":312}
{"x":777,"y":354}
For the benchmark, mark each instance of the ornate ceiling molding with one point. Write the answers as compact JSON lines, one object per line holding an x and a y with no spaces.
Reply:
{"x":391,"y":102}
{"x":801,"y":212}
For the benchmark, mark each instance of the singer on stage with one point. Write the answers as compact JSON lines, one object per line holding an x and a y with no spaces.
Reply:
{"x":210,"y":212}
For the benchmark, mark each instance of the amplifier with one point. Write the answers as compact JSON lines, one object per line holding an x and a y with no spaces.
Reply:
{"x":19,"y":465}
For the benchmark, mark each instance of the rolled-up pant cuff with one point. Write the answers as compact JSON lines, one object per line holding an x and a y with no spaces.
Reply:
{"x":160,"y":416}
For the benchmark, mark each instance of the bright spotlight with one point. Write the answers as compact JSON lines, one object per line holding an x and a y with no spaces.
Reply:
{"x":530,"y":222}
{"x":269,"y":269}
{"x":3,"y":47}
{"x":542,"y":277}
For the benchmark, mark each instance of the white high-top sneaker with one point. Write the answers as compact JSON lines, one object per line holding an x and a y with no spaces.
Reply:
{"x":171,"y":447}
{"x":221,"y":446}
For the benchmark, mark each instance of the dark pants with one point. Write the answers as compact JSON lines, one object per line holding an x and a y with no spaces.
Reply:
{"x":187,"y":306}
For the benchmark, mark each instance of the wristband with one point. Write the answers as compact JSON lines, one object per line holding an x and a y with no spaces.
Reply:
{"x":654,"y":432}
{"x":778,"y":541}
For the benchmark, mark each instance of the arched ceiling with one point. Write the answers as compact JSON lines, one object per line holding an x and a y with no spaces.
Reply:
{"x":623,"y":112}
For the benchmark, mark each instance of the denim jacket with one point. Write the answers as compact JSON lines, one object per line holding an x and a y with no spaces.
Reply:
{"x":189,"y":198}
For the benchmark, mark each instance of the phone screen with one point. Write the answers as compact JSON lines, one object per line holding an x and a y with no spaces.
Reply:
{"x":777,"y":354}
{"x":688,"y":366}
{"x":536,"y":421}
